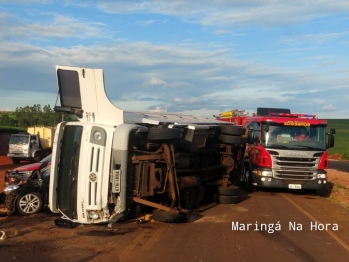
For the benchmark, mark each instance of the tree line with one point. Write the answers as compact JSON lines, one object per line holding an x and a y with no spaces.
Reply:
{"x":35,"y":115}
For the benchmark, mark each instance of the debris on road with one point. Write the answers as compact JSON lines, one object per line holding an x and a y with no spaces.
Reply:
{"x":7,"y":233}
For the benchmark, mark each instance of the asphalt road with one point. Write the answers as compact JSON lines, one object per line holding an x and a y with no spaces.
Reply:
{"x":209,"y":236}
{"x":339,"y":165}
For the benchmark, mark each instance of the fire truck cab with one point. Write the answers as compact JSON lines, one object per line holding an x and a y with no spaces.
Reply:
{"x":286,"y":150}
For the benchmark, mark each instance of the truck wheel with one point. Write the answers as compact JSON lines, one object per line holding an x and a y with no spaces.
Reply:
{"x":163,"y":133}
{"x":16,"y":160}
{"x":37,"y":157}
{"x":29,"y":204}
{"x":232,"y":130}
{"x":232,"y":139}
{"x":247,"y":180}
{"x":164,"y":216}
{"x":221,"y":199}
{"x":231,"y":190}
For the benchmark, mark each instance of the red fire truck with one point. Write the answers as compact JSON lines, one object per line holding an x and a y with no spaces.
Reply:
{"x":284,"y":150}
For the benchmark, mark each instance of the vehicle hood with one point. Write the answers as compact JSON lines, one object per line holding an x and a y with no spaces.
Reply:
{"x":29,"y":167}
{"x":25,"y":188}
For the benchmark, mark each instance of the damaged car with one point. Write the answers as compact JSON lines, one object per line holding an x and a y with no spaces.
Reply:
{"x":29,"y":198}
{"x":21,"y":174}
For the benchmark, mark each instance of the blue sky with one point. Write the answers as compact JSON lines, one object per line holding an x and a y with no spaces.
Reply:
{"x":197,"y":57}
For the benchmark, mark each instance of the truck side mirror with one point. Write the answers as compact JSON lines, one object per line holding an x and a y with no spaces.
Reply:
{"x":250,"y":134}
{"x":330,"y":142}
{"x":332,"y":131}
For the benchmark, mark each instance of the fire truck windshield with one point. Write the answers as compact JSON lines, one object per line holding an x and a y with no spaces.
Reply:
{"x":294,"y":137}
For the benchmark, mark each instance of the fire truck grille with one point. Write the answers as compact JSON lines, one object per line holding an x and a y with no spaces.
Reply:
{"x":295,"y":168}
{"x":289,"y":175}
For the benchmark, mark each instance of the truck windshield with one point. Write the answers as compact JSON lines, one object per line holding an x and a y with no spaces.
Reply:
{"x":19,"y":140}
{"x":68,"y":171}
{"x":294,"y":137}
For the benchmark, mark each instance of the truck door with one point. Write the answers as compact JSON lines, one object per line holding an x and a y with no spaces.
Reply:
{"x":82,"y":93}
{"x":34,"y":144}
{"x":252,"y":148}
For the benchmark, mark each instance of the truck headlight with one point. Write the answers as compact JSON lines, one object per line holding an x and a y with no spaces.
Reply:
{"x":321,"y":176}
{"x":264,"y":173}
{"x":97,"y":135}
{"x":94,"y":215}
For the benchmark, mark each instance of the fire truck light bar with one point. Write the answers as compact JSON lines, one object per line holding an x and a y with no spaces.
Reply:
{"x":293,"y":115}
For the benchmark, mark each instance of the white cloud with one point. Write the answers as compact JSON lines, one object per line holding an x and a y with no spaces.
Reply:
{"x":227,"y":12}
{"x":329,"y":107}
{"x":156,"y":81}
{"x":56,"y":26}
{"x":146,"y":23}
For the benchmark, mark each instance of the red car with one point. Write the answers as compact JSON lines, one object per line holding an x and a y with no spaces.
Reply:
{"x":21,"y":174}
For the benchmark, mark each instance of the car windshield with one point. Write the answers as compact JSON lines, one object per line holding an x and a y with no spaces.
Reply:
{"x":294,"y":137}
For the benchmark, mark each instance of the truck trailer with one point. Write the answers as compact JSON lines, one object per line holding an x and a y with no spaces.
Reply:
{"x":284,"y":150}
{"x":112,"y":164}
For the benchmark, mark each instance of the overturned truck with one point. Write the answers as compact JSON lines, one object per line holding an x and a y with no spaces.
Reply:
{"x":113,"y":164}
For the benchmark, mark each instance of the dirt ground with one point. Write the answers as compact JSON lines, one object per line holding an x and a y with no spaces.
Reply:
{"x":338,"y":188}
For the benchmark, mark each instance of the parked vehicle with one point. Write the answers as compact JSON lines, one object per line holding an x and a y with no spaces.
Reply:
{"x":20,"y":174}
{"x":114,"y":163}
{"x":33,"y":145}
{"x":31,"y":197}
{"x":284,"y":150}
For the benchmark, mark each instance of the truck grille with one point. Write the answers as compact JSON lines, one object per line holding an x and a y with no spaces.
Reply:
{"x":295,"y":168}
{"x":94,"y":178}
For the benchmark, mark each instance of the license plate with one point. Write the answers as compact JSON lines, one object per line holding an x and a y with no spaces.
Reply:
{"x":294,"y":186}
{"x":116,"y":181}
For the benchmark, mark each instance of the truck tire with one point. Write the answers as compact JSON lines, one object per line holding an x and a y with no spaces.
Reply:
{"x":163,"y":134}
{"x":232,"y":139}
{"x":221,"y":199}
{"x":164,"y":216}
{"x":231,"y":190}
{"x":247,"y":180}
{"x":232,"y":130}
{"x":37,"y":157}
{"x":15,"y":160}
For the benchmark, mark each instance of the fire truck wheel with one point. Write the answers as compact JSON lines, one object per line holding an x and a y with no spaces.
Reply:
{"x":164,"y":216}
{"x":232,"y":130}
{"x":231,"y":190}
{"x":221,"y":199}
{"x":163,"y":133}
{"x":232,"y":140}
{"x":16,"y":160}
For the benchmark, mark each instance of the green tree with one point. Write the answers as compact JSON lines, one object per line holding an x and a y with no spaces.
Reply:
{"x":40,"y":116}
{"x":5,"y":120}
